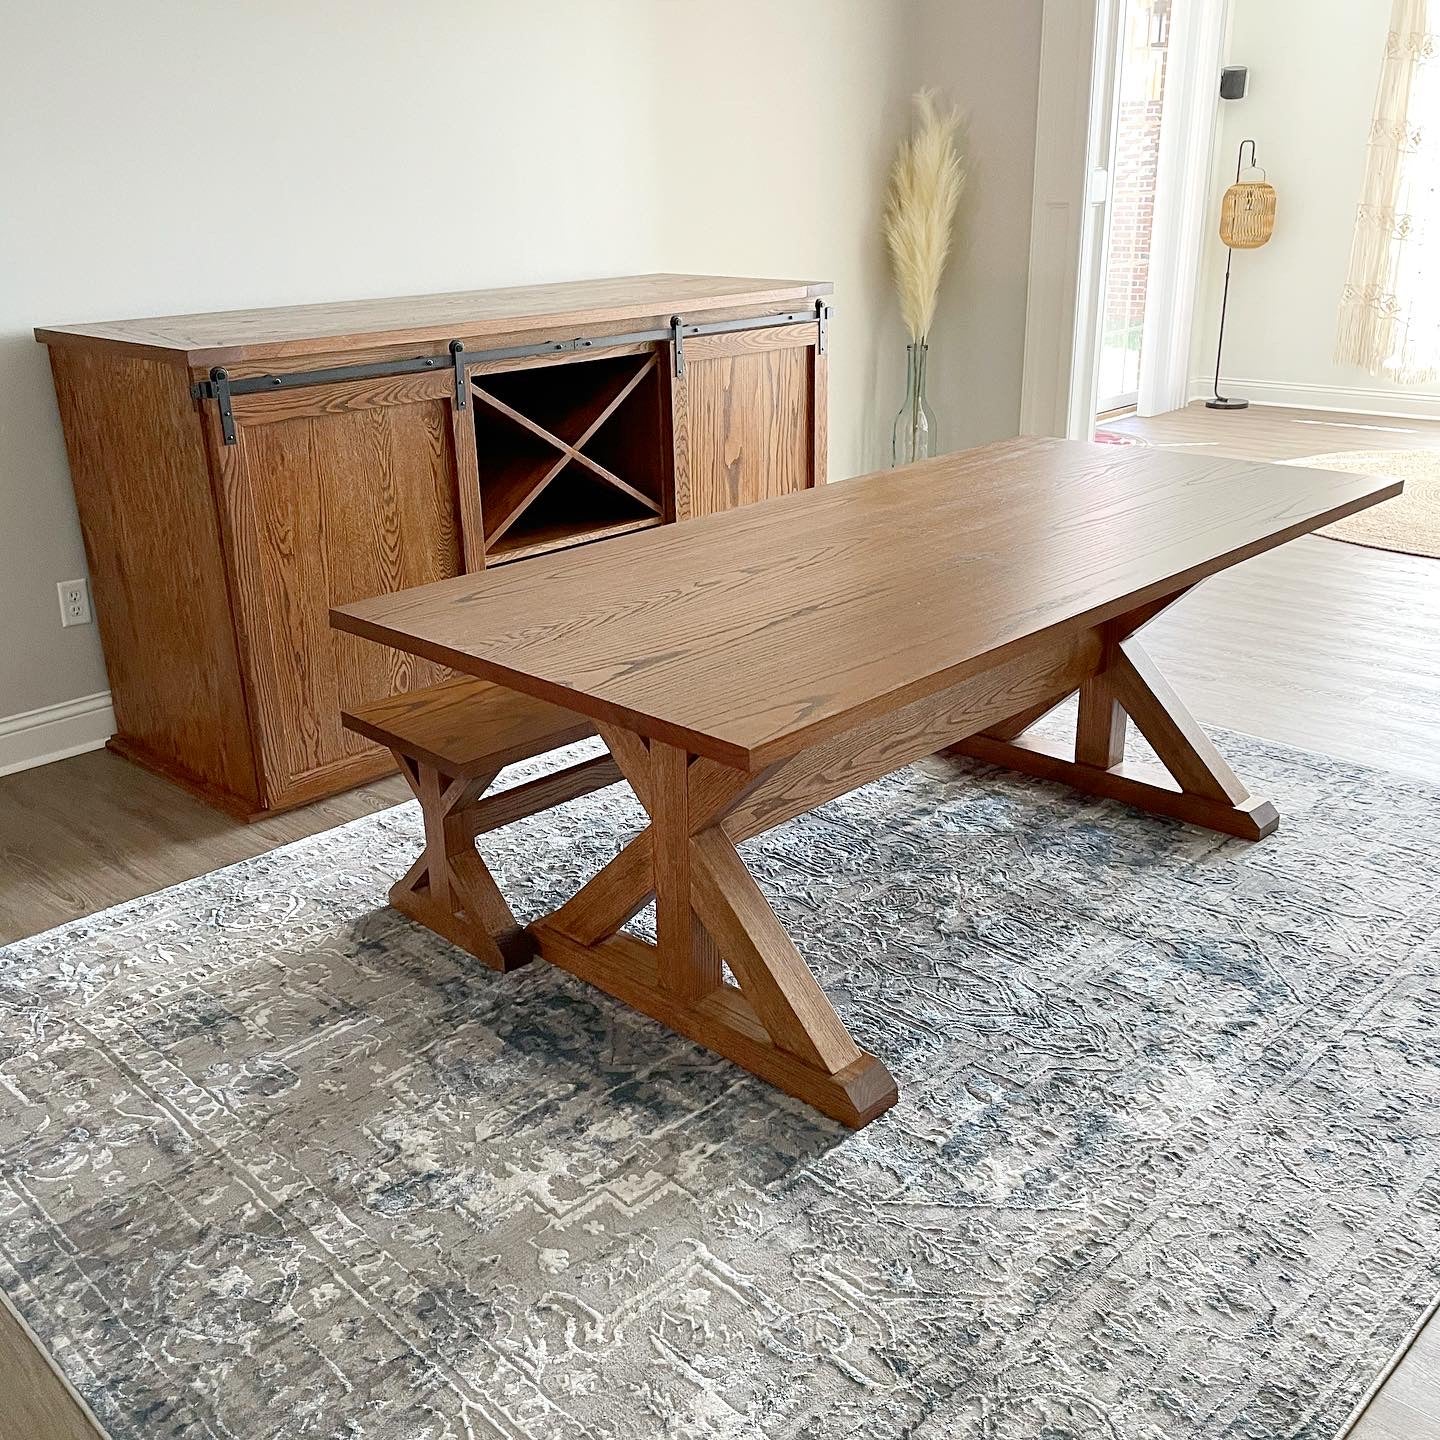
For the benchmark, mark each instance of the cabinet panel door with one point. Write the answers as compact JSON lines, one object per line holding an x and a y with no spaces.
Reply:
{"x":329,"y":505}
{"x":749,"y":418}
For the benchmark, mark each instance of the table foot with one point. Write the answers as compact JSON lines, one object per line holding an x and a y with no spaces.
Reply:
{"x":507,"y":951}
{"x":1200,"y":788}
{"x":724,"y":1022}
{"x":1142,"y":789}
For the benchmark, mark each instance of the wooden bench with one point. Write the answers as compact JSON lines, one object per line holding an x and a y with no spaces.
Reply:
{"x":451,"y":741}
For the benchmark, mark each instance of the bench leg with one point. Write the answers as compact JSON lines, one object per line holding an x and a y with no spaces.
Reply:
{"x":449,"y":889}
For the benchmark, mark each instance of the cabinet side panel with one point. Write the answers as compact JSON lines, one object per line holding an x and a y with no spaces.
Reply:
{"x":749,"y":426}
{"x":142,"y":487}
{"x":346,"y":505}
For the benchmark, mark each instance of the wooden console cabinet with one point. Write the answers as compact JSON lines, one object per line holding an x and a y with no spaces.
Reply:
{"x":238,"y":474}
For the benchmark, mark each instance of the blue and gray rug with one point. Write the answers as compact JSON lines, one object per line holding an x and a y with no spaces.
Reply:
{"x":1166,"y":1163}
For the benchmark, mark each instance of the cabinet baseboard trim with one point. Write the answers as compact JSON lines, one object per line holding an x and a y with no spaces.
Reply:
{"x":1352,"y":399}
{"x":55,"y":732}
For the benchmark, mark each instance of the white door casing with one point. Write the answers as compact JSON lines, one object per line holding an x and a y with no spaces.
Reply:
{"x":1074,"y":144}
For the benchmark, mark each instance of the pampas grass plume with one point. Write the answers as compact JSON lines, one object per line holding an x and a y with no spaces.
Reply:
{"x":926,"y":179}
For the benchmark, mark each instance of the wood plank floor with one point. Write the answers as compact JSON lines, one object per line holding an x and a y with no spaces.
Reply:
{"x":1322,"y":645}
{"x":88,"y":832}
{"x":1274,"y":432}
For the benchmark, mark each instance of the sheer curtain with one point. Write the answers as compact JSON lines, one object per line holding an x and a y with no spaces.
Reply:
{"x":1390,"y":307}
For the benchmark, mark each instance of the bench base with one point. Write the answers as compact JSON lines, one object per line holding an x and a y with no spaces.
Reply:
{"x":449,"y":889}
{"x":499,"y":952}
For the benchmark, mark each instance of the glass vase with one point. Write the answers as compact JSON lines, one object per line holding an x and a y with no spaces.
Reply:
{"x":914,"y":433}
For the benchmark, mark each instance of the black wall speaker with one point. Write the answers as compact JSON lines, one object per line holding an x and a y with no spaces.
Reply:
{"x":1233,"y":79}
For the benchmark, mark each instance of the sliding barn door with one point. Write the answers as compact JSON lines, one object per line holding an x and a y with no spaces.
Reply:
{"x":748,"y":417}
{"x":333,"y":493}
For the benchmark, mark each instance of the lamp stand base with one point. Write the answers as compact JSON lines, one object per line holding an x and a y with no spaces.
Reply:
{"x":1223,"y":402}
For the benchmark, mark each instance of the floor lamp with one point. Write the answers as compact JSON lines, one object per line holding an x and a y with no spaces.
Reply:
{"x":1247,"y":221}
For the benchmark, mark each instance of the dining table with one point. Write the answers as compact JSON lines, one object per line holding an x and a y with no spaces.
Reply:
{"x":746,"y":667}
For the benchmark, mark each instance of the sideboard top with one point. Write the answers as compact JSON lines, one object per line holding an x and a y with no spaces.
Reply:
{"x":234,"y":335}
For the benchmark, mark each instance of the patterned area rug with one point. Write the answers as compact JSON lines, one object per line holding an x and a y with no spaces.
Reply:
{"x":1166,"y":1164}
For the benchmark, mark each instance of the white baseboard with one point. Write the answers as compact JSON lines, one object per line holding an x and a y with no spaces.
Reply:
{"x":55,"y":732}
{"x":1356,"y":399}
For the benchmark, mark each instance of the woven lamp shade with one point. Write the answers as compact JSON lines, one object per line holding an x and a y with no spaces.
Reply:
{"x":1247,"y":214}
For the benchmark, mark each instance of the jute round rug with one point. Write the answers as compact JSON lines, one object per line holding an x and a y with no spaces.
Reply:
{"x":1166,"y":1163}
{"x":1410,"y":523}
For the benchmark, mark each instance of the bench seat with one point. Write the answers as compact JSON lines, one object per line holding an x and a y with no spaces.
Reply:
{"x":464,"y":726}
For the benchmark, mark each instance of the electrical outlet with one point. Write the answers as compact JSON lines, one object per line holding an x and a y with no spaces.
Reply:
{"x":74,"y":602}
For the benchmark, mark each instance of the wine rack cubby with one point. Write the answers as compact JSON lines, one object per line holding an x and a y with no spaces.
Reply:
{"x":569,"y":453}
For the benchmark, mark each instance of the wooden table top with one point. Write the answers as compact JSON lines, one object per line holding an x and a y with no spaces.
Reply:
{"x":749,"y":635}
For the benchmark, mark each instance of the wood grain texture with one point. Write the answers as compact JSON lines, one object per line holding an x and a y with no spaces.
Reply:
{"x":1127,"y":683}
{"x":724,"y":1022}
{"x":449,"y":889}
{"x":1297,"y":646}
{"x":819,"y":417}
{"x":750,"y":419}
{"x":95,"y":830}
{"x":340,"y":398}
{"x":465,"y":726}
{"x":751,"y":635}
{"x":1407,"y":1404}
{"x":594,"y":427}
{"x":227,"y":336}
{"x":142,"y":487}
{"x":617,"y":892}
{"x":688,"y":962}
{"x":339,"y":504}
{"x":632,"y":754}
{"x":708,"y":912}
{"x":1172,"y":731}
{"x":1276,"y":432}
{"x":1051,"y":670}
{"x":1102,"y":722}
{"x":450,"y":741}
{"x":1143,"y":788}
{"x":469,"y":509}
{"x":209,"y":558}
{"x":557,"y":788}
{"x":1292,"y":645}
{"x":38,"y":1404}
{"x":601,"y":333}
{"x":785,"y":996}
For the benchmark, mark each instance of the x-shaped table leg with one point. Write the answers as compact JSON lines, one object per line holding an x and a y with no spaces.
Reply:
{"x":1128,"y":685}
{"x":775,"y":1021}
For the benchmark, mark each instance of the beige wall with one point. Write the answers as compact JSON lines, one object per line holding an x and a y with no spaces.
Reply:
{"x":1314,"y":65}
{"x":158,"y":158}
{"x":985,"y":57}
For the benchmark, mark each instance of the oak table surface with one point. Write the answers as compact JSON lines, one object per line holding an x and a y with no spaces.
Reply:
{"x":750,"y":635}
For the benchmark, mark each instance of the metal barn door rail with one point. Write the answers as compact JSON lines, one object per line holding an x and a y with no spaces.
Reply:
{"x":220,"y":387}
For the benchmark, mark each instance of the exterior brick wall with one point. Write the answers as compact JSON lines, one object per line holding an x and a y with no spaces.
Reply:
{"x":1137,"y":155}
